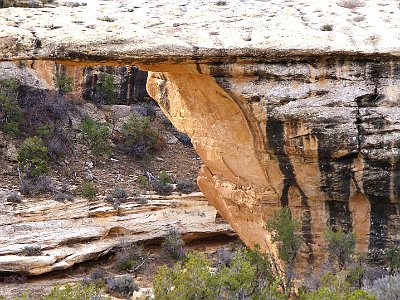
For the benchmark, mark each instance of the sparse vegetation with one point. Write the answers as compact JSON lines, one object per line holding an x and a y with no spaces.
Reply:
{"x":130,"y":258}
{"x":10,"y":111}
{"x":75,"y":292}
{"x":393,"y":257}
{"x":120,"y":194}
{"x":142,"y":200}
{"x":186,"y":186}
{"x":47,"y":117}
{"x":284,"y":231}
{"x":95,"y":133}
{"x":341,"y":246}
{"x":62,"y":82}
{"x":98,"y":274}
{"x":142,"y":180}
{"x":163,"y":185}
{"x":123,"y":285}
{"x":61,"y":197}
{"x":221,"y":3}
{"x":106,"y":89}
{"x":33,"y":157}
{"x":15,"y":3}
{"x":69,"y":292}
{"x":88,"y":190}
{"x":37,"y":185}
{"x":140,"y":138}
{"x":173,"y":244}
{"x":246,"y":277}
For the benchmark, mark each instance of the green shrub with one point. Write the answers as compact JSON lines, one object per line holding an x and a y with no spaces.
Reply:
{"x":45,"y":131}
{"x":341,"y":246}
{"x":336,"y":287}
{"x":95,"y":134}
{"x":63,"y":83}
{"x":88,"y":190}
{"x":106,"y":89}
{"x":356,"y":271}
{"x":142,"y":180}
{"x":246,"y":277}
{"x":163,"y":177}
{"x":173,"y":244}
{"x":33,"y":157}
{"x":163,"y":184}
{"x":192,"y":280}
{"x":324,"y":293}
{"x":140,"y":138}
{"x":76,"y":292}
{"x":284,"y":230}
{"x":10,"y":112}
{"x":393,"y":257}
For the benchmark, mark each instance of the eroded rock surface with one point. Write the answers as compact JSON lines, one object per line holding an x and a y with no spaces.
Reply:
{"x":287,"y":103}
{"x":144,"y":31}
{"x":73,"y":232}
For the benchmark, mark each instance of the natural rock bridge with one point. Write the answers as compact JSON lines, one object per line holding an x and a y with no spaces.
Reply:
{"x":287,"y":102}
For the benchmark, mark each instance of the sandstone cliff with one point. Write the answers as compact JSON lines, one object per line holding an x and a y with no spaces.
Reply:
{"x":287,"y":103}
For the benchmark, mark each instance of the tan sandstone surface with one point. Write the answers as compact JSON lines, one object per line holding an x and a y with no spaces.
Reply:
{"x":287,"y":102}
{"x":73,"y":232}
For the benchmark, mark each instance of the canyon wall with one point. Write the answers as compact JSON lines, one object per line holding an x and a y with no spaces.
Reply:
{"x":287,"y":103}
{"x":319,"y":136}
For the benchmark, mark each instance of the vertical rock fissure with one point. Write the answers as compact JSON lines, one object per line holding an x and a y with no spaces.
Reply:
{"x":275,"y":136}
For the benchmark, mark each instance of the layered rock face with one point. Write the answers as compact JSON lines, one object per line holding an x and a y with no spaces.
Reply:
{"x":37,"y":237}
{"x":319,"y":136}
{"x":287,"y":103}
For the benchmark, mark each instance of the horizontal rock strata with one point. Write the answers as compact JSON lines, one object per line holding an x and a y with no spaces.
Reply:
{"x":73,"y":232}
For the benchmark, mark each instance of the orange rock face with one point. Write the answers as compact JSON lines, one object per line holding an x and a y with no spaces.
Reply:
{"x":310,"y":135}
